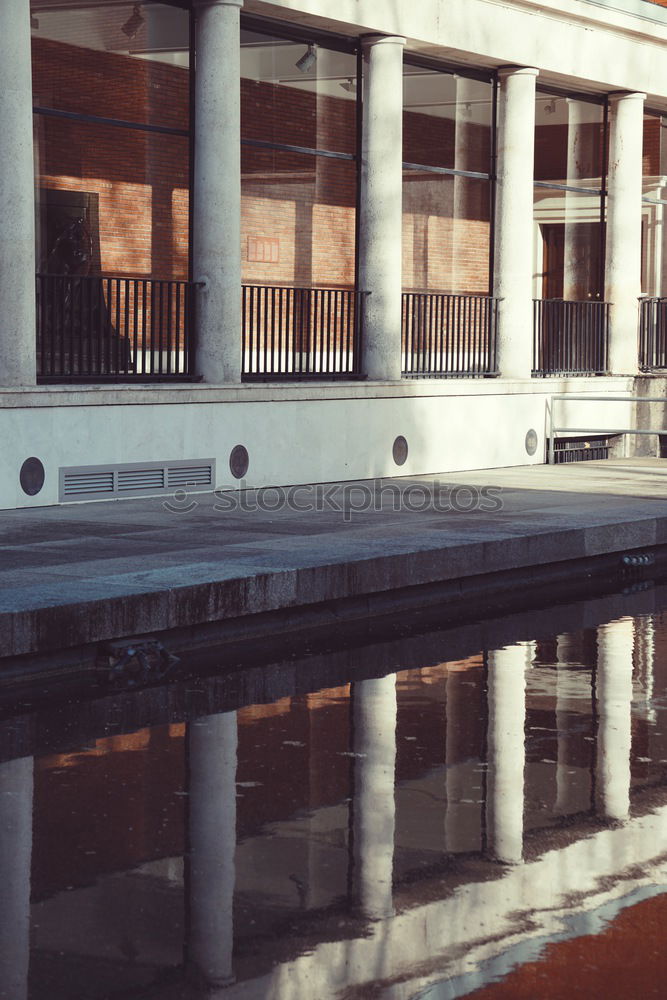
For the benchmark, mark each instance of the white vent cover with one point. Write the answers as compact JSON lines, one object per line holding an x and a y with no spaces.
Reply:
{"x":106,"y":482}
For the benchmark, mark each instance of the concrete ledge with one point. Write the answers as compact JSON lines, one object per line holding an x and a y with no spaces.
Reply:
{"x":97,"y":572}
{"x":256,"y":392}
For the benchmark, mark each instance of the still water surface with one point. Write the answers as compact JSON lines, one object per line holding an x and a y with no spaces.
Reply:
{"x":487,"y":821}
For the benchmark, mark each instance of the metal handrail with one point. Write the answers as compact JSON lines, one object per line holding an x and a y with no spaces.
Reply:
{"x":553,"y":430}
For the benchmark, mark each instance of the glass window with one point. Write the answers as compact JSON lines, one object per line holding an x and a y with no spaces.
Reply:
{"x":129,"y":188}
{"x":446,"y":233}
{"x":447,"y":120}
{"x":298,"y":212}
{"x":654,"y":207}
{"x":569,"y":166}
{"x":298,"y":219}
{"x":124,"y":62}
{"x":297,"y":94}
{"x":569,"y":141}
{"x":112,"y":195}
{"x":447,"y":139}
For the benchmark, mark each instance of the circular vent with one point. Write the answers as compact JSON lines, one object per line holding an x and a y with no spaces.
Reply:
{"x":239,"y":460}
{"x":531,"y":442}
{"x":400,"y":450}
{"x":32,"y":476}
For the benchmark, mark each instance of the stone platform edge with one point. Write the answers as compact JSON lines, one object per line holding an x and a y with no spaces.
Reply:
{"x":133,"y":604}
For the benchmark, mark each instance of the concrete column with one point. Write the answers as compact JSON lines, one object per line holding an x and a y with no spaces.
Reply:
{"x":17,"y":199}
{"x":513,"y":253}
{"x":506,"y":753}
{"x":380,"y":250}
{"x":217,"y":190}
{"x":374,"y":810}
{"x":212,"y":757}
{"x":624,"y":229}
{"x":16,"y":788}
{"x":614,"y":698}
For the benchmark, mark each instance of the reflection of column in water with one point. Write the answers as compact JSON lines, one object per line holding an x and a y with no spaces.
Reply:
{"x":16,"y":785}
{"x":463,"y":816}
{"x":212,"y":746}
{"x":644,"y":635}
{"x":614,"y":699}
{"x":568,"y":788}
{"x":374,"y":745}
{"x":506,"y":751}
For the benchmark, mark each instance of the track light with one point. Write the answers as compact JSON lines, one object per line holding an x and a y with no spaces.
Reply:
{"x":133,"y":23}
{"x":307,"y":60}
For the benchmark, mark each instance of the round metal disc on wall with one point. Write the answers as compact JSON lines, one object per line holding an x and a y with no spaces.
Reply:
{"x":239,"y":460}
{"x":31,"y":476}
{"x":400,"y":450}
{"x":531,"y":442}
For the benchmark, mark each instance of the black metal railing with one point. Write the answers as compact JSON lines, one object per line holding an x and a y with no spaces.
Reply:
{"x":653,"y":334}
{"x":114,"y":328}
{"x":570,"y":338}
{"x":449,"y":335}
{"x":299,"y":333}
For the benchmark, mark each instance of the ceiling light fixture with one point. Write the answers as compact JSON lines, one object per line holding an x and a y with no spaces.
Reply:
{"x":133,"y":23}
{"x":307,"y":60}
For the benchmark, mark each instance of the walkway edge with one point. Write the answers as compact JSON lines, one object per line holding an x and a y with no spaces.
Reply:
{"x":42,"y":619}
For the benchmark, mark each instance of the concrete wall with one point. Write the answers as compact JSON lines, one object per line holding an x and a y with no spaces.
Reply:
{"x":293,"y":434}
{"x":570,"y":41}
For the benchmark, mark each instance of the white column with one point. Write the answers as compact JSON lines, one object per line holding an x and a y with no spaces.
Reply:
{"x":513,"y":253}
{"x":16,"y":789}
{"x":217,"y":190}
{"x":17,"y":199}
{"x":506,"y":753}
{"x":624,"y":229}
{"x":380,"y":250}
{"x":212,"y":750}
{"x":374,"y":810}
{"x":614,"y":700}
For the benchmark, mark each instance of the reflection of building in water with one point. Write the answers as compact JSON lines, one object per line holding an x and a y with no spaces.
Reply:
{"x":324,"y":814}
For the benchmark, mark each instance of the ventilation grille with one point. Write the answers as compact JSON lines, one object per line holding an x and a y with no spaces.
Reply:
{"x":106,"y":482}
{"x":580,"y":450}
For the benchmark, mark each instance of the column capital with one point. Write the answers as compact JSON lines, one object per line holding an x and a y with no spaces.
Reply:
{"x":625,"y":95}
{"x":367,"y":41}
{"x":505,"y":71}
